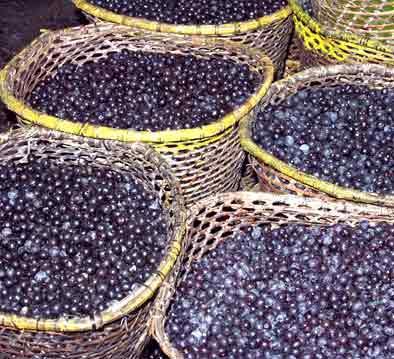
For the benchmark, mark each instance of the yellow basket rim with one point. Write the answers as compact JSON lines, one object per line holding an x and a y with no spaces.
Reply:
{"x":270,"y":160}
{"x":128,"y":304}
{"x":234,"y":28}
{"x":320,"y":29}
{"x":129,"y":135}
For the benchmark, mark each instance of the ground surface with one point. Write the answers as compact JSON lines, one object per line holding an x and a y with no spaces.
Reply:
{"x":20,"y":23}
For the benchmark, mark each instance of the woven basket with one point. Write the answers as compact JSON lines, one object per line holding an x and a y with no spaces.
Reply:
{"x":121,"y":330}
{"x":373,"y":19}
{"x":277,"y":176}
{"x":269,"y":33}
{"x":206,"y":159}
{"x":220,"y":217}
{"x":321,"y":45}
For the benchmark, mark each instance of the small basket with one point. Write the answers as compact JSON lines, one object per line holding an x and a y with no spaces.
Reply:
{"x":206,"y":160}
{"x":220,"y":217}
{"x":269,"y":33}
{"x":279,"y":177}
{"x":372,"y":19}
{"x":321,"y":45}
{"x":121,"y":330}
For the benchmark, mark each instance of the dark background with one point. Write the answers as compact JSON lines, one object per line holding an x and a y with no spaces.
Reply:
{"x":20,"y":23}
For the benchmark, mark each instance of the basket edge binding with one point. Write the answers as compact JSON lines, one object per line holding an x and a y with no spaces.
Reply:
{"x":288,"y":203}
{"x":330,"y":189}
{"x":102,"y":132}
{"x":165,"y":267}
{"x":227,"y":29}
{"x":320,"y":29}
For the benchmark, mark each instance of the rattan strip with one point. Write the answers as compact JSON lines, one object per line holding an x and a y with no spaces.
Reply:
{"x":220,"y":217}
{"x":332,"y":45}
{"x":270,"y":33}
{"x":368,"y":74}
{"x":372,"y":19}
{"x":136,"y":159}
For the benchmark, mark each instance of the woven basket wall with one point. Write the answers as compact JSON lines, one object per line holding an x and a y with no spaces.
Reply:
{"x":279,"y":177}
{"x":220,"y":217}
{"x":372,"y":19}
{"x":206,"y":160}
{"x":322,"y":45}
{"x":121,"y":330}
{"x":269,"y":33}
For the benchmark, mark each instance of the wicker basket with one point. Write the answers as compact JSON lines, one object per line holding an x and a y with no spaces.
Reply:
{"x":269,"y":33}
{"x":220,"y":217}
{"x":321,"y":45}
{"x":121,"y":330}
{"x":206,"y":159}
{"x":277,"y":176}
{"x":373,"y":19}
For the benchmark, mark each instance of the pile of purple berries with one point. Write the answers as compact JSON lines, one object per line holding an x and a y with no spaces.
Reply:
{"x":290,"y":292}
{"x":74,"y":239}
{"x":146,"y":91}
{"x":193,"y":12}
{"x":342,"y":134}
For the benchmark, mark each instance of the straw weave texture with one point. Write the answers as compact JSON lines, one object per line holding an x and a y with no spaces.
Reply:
{"x":322,"y":45}
{"x":269,"y":33}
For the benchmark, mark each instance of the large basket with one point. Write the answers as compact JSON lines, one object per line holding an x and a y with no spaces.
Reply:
{"x":206,"y":159}
{"x":121,"y":330}
{"x":269,"y":33}
{"x":321,"y":45}
{"x":373,"y":19}
{"x":220,"y":217}
{"x":277,"y":176}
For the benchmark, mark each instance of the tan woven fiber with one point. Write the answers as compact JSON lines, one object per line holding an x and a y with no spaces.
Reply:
{"x":206,"y":160}
{"x":277,"y":176}
{"x":372,"y":19}
{"x":121,"y":330}
{"x":270,"y":33}
{"x":322,"y":45}
{"x":220,"y":217}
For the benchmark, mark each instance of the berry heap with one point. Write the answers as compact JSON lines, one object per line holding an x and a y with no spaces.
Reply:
{"x":193,"y":12}
{"x":146,"y":91}
{"x":290,"y":292}
{"x":342,"y":134}
{"x":74,"y":239}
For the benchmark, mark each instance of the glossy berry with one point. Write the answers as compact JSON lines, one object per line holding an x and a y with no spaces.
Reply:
{"x":74,"y":239}
{"x":146,"y":91}
{"x":342,"y":134}
{"x":290,"y":292}
{"x":192,"y":12}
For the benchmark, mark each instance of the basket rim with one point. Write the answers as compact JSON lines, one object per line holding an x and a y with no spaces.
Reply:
{"x":320,"y":29}
{"x":233,"y":28}
{"x":291,"y":203}
{"x":329,"y":188}
{"x":129,"y":135}
{"x":149,"y":287}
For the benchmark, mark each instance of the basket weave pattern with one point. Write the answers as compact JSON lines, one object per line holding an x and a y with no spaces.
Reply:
{"x":269,"y":33}
{"x":373,"y":19}
{"x":280,"y":177}
{"x":121,"y":330}
{"x":323,"y":45}
{"x":222,"y":216}
{"x":188,"y":151}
